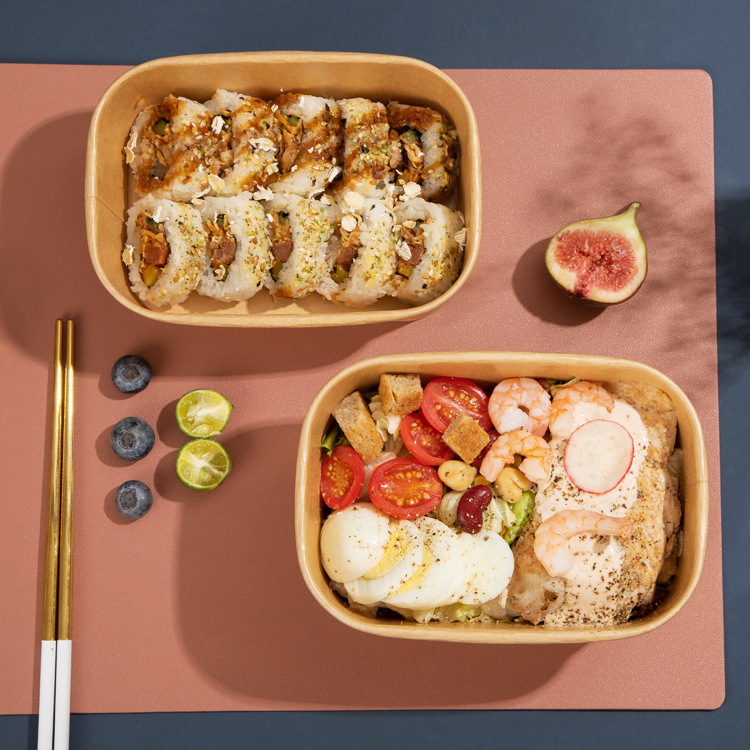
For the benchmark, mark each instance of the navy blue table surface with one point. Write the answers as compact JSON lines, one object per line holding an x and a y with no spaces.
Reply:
{"x":532,"y":34}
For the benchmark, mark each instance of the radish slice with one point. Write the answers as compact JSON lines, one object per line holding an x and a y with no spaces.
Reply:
{"x":598,"y":456}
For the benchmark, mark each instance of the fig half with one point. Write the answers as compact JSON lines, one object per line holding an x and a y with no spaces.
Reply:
{"x":599,"y":261}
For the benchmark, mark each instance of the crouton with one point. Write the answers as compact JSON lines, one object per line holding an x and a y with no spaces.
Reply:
{"x":465,"y":437}
{"x":400,"y":394}
{"x":359,"y":427}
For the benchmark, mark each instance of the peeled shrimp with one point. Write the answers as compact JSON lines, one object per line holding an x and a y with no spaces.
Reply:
{"x":536,"y":465}
{"x":561,"y":420}
{"x":552,"y":536}
{"x":520,"y":404}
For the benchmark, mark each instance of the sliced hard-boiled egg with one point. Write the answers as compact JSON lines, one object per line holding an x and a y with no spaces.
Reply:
{"x":353,"y":540}
{"x":395,"y":549}
{"x":489,"y":566}
{"x":443,"y":573}
{"x":370,"y":590}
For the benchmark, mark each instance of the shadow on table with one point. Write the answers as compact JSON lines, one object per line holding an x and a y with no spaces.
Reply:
{"x":540,"y":295}
{"x":596,"y":169}
{"x":48,"y":274}
{"x":251,"y":626}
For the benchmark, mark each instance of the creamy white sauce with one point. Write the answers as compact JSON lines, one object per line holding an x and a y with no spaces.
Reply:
{"x":598,"y":559}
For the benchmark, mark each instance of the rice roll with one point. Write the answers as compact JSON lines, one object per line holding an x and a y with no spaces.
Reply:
{"x":300,"y":230}
{"x":311,"y":139}
{"x":362,"y":255}
{"x":238,"y":248}
{"x":367,"y":147}
{"x":165,"y":250}
{"x":430,"y":249}
{"x":428,"y":142}
{"x":254,"y":136}
{"x":173,"y":150}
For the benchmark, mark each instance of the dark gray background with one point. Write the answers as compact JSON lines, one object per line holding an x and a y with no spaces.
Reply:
{"x":713,"y":36}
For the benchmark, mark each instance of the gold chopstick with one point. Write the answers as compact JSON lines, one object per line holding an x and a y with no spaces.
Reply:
{"x":55,"y":670}
{"x":64,"y":586}
{"x":64,"y":589}
{"x":49,"y":616}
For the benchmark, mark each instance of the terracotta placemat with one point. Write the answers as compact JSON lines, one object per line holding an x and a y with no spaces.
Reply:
{"x":200,"y":606}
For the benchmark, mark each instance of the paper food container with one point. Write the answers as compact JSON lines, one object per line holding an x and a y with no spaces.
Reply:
{"x":265,"y":74}
{"x":487,"y":369}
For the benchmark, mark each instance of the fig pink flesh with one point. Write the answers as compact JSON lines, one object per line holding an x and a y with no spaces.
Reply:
{"x":599,"y":259}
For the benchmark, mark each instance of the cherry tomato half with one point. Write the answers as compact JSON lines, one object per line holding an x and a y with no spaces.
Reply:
{"x":445,"y":398}
{"x":405,"y":488}
{"x":341,"y":477}
{"x":423,"y":441}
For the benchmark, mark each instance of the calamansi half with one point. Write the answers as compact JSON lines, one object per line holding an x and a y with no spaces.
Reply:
{"x":202,"y":413}
{"x":203,"y":464}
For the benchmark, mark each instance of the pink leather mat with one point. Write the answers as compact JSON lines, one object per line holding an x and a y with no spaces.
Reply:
{"x":200,"y":606}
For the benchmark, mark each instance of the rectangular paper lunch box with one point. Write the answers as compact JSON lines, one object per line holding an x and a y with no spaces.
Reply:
{"x":265,"y":74}
{"x":488,"y":368}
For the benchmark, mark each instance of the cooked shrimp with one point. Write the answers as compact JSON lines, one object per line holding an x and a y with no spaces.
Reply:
{"x":552,"y":536}
{"x":561,"y":420}
{"x":520,"y":404}
{"x":536,"y":465}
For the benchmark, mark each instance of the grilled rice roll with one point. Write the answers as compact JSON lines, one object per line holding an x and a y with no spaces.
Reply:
{"x":173,"y":151}
{"x":238,"y":248}
{"x":300,"y":230}
{"x":311,"y":138}
{"x":428,"y":144}
{"x":430,"y":250}
{"x":362,"y":253}
{"x":254,"y":136}
{"x":165,"y":250}
{"x":367,"y":147}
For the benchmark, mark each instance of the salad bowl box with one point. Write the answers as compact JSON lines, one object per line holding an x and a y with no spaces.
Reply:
{"x":486,"y":369}
{"x":336,"y":75}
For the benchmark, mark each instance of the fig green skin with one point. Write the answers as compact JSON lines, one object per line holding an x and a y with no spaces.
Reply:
{"x":622,"y":224}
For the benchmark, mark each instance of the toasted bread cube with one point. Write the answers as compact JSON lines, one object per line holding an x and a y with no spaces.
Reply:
{"x":355,"y":420}
{"x":400,"y":394}
{"x":465,"y":437}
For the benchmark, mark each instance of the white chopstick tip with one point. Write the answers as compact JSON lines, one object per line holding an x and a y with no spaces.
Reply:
{"x":46,"y":695}
{"x":62,"y":695}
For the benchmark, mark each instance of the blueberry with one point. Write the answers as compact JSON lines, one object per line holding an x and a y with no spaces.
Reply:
{"x":131,"y":374}
{"x":131,"y":438}
{"x":134,"y":499}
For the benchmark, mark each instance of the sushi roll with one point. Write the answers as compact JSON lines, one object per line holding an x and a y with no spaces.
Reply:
{"x":300,"y":229}
{"x":165,"y":250}
{"x":430,"y":249}
{"x":362,"y":256}
{"x":428,"y":141}
{"x":367,"y":147}
{"x":173,"y":150}
{"x":254,"y":136}
{"x":311,"y":135}
{"x":238,"y":248}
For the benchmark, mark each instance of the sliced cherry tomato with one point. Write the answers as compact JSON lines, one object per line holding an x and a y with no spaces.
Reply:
{"x":423,"y":441}
{"x":341,"y":477}
{"x":405,"y":488}
{"x":445,"y":398}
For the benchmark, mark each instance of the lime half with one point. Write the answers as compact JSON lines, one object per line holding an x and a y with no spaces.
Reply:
{"x":203,"y":464}
{"x":202,"y":413}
